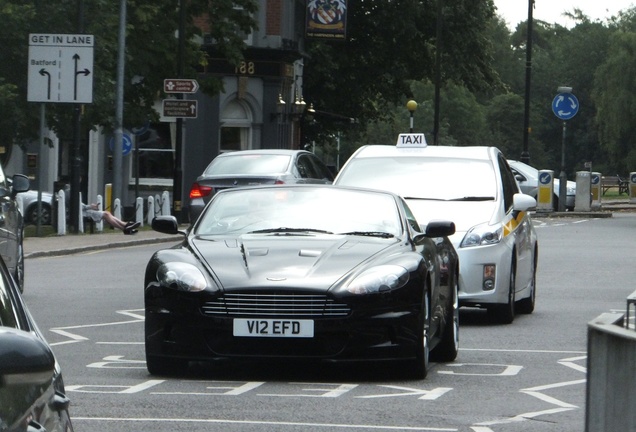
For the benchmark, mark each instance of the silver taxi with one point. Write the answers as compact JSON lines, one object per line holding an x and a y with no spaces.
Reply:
{"x":475,"y":188}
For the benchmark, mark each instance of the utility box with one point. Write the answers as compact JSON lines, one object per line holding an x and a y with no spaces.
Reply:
{"x":632,"y":187}
{"x":596,"y":192}
{"x":545,"y":188}
{"x":583,"y":198}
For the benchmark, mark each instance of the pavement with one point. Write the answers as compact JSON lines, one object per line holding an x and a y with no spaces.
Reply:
{"x":70,"y":243}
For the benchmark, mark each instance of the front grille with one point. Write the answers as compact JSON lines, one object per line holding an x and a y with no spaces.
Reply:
{"x":279,"y":305}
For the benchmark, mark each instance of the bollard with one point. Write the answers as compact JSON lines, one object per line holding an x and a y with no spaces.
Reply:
{"x":151,"y":210}
{"x":61,"y":212}
{"x":117,"y":210}
{"x":157,"y":205}
{"x":139,"y":210}
{"x":100,"y":205}
{"x":80,"y":218}
{"x":545,"y":191}
{"x":165,"y":203}
{"x":582,"y":200}
{"x":632,"y":187}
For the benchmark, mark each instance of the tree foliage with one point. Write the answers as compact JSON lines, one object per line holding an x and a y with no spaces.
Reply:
{"x":151,"y":54}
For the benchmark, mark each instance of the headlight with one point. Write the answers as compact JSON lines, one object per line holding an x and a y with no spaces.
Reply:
{"x":482,"y":235}
{"x":379,"y":279}
{"x":181,"y":276}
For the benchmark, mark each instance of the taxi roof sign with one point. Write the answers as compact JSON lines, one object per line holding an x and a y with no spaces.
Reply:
{"x":413,"y":140}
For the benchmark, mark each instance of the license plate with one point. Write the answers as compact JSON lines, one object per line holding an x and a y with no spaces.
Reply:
{"x":273,"y":328}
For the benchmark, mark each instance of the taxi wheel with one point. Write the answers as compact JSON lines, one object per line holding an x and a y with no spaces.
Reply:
{"x":422,"y":354}
{"x":505,"y":313}
{"x":448,"y":347}
{"x":526,"y":305}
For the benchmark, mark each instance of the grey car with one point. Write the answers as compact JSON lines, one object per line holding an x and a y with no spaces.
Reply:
{"x":32,"y":394}
{"x":12,"y":224}
{"x":528,"y":179}
{"x":30,"y":207}
{"x":256,"y":167}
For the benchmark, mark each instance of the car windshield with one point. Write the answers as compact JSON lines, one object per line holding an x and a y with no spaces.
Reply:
{"x":301,"y":211}
{"x":257,"y":164}
{"x":423,"y":178}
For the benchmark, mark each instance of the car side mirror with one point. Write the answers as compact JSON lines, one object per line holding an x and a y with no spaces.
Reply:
{"x":436,"y":228}
{"x":27,"y":365}
{"x":166,"y":224}
{"x":20,"y":183}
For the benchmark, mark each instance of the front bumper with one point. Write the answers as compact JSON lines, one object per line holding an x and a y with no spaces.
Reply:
{"x":178,"y":326}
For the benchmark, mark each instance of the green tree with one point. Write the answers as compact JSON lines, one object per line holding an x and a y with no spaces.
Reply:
{"x":391,"y":43}
{"x":151,"y":54}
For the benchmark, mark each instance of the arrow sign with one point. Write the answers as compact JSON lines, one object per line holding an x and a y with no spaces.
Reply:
{"x":180,"y":108}
{"x":565,"y":106}
{"x":180,"y":86}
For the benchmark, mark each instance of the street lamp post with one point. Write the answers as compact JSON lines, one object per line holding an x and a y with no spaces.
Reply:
{"x":411,"y":106}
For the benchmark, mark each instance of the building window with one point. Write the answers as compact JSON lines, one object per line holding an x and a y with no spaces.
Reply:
{"x":156,"y":155}
{"x":236,"y":127}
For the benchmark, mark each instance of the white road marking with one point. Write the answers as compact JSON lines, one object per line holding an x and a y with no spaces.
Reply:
{"x":265,"y":423}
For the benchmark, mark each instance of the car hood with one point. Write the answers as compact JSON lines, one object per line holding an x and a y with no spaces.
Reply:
{"x":464,"y":214}
{"x":260,"y":260}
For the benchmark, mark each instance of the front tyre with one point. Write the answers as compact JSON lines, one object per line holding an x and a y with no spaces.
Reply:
{"x":505,"y":313}
{"x":448,"y":348}
{"x":526,"y":305}
{"x":422,"y":354}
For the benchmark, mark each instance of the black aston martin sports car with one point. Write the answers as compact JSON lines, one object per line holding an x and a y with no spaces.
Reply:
{"x":303,"y":272}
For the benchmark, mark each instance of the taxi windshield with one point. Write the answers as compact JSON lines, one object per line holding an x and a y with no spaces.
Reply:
{"x":424,"y":178}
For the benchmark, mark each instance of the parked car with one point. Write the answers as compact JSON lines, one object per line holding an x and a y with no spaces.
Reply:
{"x":302,"y":272}
{"x":32,"y":394}
{"x":475,"y":188}
{"x":254,"y":167}
{"x":12,"y":224}
{"x":528,"y":178}
{"x":30,"y":206}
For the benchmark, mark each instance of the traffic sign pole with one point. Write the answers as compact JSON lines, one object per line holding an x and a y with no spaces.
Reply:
{"x":565,"y":106}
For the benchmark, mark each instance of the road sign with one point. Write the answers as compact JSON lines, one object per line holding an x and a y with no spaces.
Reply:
{"x":565,"y":106}
{"x":126,"y":144}
{"x":180,"y":108}
{"x":60,"y":68}
{"x":180,"y":86}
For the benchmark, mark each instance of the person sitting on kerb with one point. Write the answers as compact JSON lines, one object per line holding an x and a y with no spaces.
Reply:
{"x":92,"y":211}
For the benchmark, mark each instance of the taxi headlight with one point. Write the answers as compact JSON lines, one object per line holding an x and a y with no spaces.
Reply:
{"x":181,"y":276}
{"x":379,"y":279}
{"x":482,"y":235}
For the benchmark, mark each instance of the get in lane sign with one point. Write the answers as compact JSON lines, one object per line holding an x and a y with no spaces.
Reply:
{"x":60,"y":68}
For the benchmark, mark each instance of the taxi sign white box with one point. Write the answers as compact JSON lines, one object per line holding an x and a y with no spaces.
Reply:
{"x":545,"y":185}
{"x":413,"y":140}
{"x":583,"y":198}
{"x":632,"y":187}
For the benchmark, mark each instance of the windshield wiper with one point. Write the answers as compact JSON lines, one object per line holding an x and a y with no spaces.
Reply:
{"x":289,"y":230}
{"x":467,"y":198}
{"x":370,"y":234}
{"x":474,"y":198}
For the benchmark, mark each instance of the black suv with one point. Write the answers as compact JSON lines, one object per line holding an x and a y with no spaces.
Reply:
{"x":12,"y":225}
